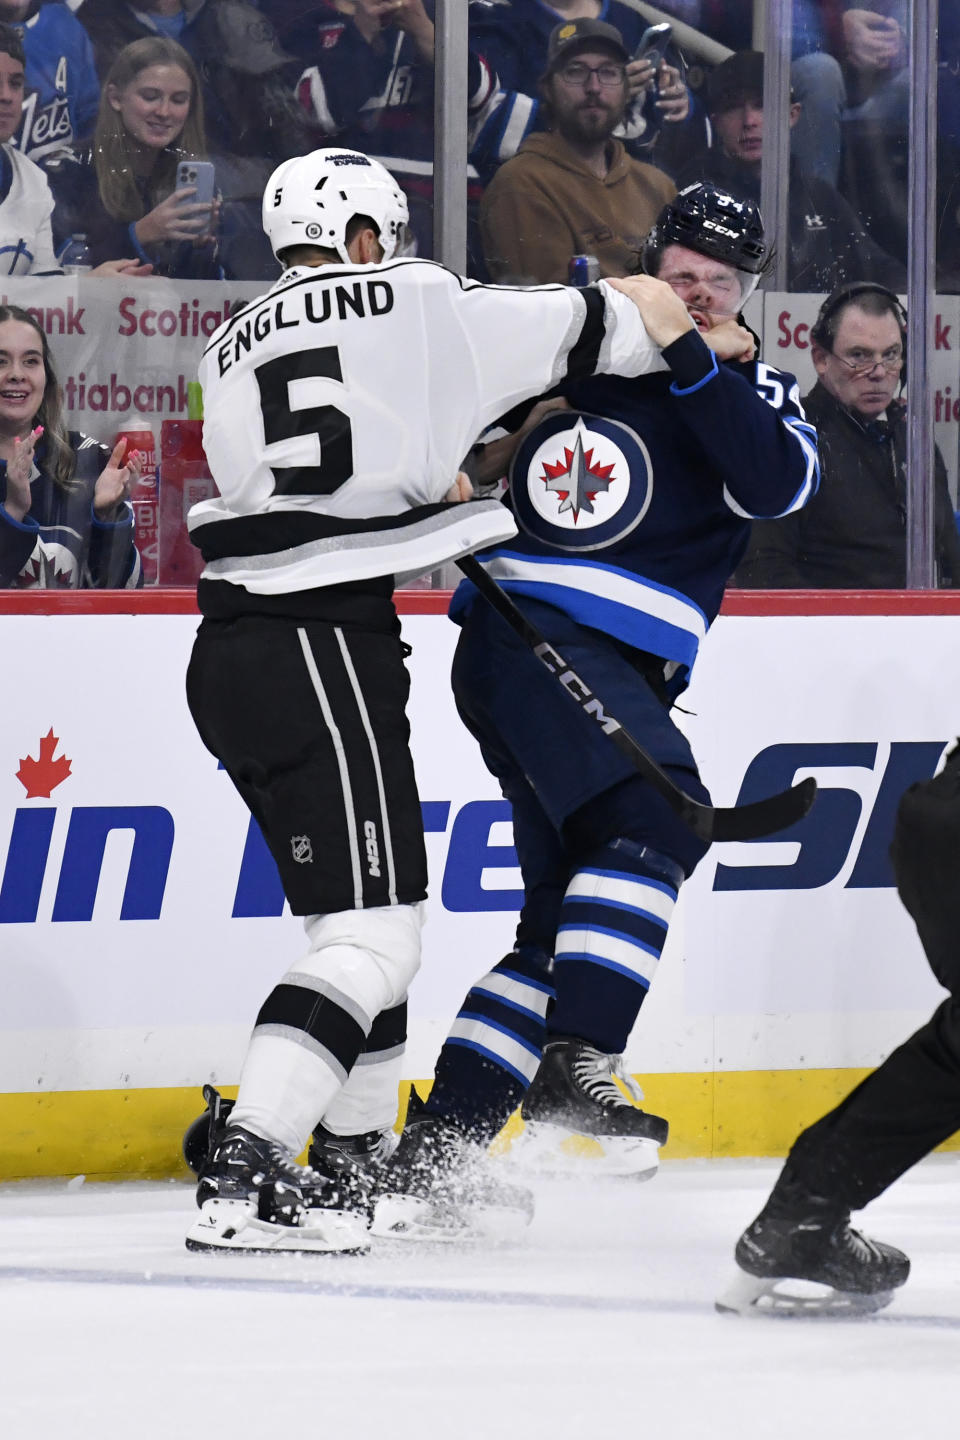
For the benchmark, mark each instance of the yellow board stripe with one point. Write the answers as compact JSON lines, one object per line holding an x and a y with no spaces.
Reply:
{"x":125,"y":1134}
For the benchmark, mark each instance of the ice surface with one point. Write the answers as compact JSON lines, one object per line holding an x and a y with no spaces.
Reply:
{"x":601,"y":1325}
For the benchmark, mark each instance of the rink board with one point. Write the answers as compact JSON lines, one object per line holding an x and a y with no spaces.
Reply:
{"x":141,"y":927}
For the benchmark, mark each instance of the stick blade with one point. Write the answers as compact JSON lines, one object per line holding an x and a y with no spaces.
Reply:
{"x":762,"y":818}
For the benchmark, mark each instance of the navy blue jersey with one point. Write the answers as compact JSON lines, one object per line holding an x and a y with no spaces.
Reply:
{"x":62,"y":92}
{"x":634,"y":507}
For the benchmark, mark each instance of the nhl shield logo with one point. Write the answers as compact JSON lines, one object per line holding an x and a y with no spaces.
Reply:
{"x":301,"y":849}
{"x":580,"y":481}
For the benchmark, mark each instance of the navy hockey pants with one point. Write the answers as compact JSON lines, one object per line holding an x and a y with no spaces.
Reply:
{"x":570,"y":787}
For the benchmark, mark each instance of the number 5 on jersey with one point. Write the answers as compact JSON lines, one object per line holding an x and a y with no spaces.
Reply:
{"x":284,"y":419}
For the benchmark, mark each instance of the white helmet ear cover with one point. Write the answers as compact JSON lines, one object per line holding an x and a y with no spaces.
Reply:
{"x":311,"y":199}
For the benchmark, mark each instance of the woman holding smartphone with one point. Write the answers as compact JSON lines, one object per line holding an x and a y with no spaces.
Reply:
{"x":123,"y":193}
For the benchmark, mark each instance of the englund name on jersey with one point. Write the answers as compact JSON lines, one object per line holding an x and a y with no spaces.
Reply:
{"x":367,"y":298}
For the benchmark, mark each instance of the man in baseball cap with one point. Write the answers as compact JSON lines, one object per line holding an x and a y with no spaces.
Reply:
{"x":583,"y":34}
{"x":572,"y":189}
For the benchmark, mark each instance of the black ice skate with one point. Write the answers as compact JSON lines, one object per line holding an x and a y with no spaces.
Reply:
{"x":354,"y":1162}
{"x":841,"y":1271}
{"x":438,"y":1185}
{"x":575,"y":1100}
{"x":254,"y":1196}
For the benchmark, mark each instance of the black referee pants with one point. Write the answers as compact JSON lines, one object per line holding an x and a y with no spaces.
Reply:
{"x":911,"y":1103}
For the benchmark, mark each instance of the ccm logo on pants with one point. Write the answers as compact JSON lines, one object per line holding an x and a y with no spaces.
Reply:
{"x":373,"y":849}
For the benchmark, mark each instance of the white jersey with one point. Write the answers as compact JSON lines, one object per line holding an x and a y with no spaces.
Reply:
{"x":26,"y":241}
{"x":339,"y":407}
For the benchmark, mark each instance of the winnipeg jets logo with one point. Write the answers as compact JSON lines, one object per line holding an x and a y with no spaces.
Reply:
{"x":580,"y":481}
{"x":574,"y":479}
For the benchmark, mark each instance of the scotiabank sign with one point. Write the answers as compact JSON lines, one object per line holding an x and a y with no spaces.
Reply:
{"x":125,"y":348}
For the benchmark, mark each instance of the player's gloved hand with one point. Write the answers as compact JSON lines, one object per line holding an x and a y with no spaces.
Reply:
{"x":661,"y":309}
{"x":730,"y":341}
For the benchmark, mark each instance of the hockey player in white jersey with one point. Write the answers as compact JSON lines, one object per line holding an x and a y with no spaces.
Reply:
{"x":337,"y":410}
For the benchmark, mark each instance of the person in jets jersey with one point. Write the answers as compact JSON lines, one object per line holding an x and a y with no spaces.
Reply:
{"x":337,"y":410}
{"x":633,"y":499}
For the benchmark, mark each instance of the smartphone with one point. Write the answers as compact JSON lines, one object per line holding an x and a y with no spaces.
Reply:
{"x":201,"y":174}
{"x":653,"y":43}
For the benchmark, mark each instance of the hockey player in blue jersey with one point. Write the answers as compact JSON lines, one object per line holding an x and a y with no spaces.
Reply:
{"x":634,"y":509}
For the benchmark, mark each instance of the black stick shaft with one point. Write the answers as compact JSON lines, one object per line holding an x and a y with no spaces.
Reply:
{"x":742,"y":822}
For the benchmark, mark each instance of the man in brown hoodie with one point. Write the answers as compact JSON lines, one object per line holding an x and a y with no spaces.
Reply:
{"x":573,"y":189}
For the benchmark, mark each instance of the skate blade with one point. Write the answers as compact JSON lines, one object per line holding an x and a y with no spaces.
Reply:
{"x":232,"y":1225}
{"x":407,"y":1217}
{"x":544,"y":1149}
{"x":788,"y":1298}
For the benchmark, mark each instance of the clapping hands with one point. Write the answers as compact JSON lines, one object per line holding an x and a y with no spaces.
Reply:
{"x":116,"y":481}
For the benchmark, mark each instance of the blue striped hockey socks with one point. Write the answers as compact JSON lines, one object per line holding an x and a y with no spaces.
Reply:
{"x":493,"y":1049}
{"x":612,"y":930}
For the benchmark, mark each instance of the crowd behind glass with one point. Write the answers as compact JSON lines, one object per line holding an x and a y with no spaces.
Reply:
{"x":136,"y":140}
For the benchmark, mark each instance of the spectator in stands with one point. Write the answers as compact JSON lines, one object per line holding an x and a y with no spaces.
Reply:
{"x":247,"y":84}
{"x":573,"y":190}
{"x":26,"y":242}
{"x":64,"y":520}
{"x":827,"y":244}
{"x":513,"y":37}
{"x":62,"y":89}
{"x":852,"y":535}
{"x":370,"y":85}
{"x":122,"y":193}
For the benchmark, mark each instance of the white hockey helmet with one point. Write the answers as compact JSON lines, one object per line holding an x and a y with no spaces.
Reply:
{"x":311,"y":199}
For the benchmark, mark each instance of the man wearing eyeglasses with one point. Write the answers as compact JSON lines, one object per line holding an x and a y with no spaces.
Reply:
{"x":852,"y":535}
{"x":573,"y":189}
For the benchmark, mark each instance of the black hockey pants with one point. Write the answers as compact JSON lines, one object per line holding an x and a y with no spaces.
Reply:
{"x":912,"y":1102}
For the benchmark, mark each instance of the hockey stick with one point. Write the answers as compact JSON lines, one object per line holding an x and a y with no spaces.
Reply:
{"x":741,"y":822}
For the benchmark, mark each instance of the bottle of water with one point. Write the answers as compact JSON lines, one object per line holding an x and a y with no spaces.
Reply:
{"x":75,"y":256}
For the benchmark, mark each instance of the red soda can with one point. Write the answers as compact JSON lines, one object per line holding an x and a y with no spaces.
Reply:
{"x":144,"y":497}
